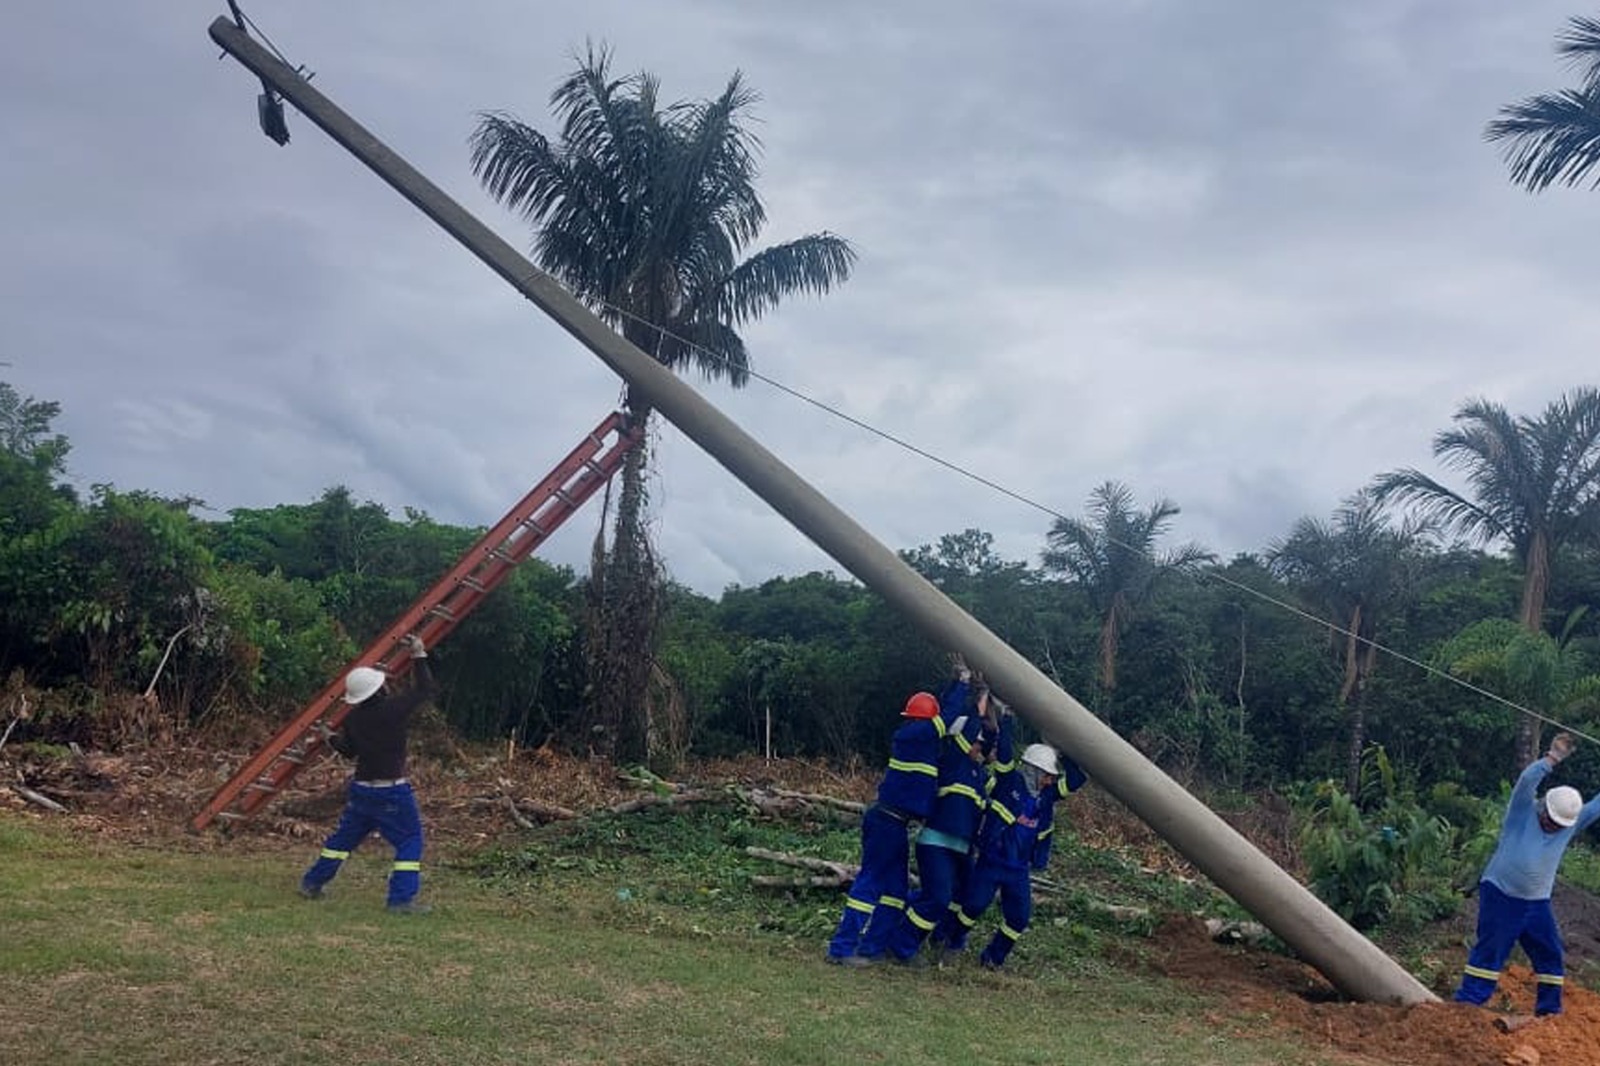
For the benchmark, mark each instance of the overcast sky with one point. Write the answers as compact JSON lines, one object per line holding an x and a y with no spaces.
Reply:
{"x":1244,"y":255}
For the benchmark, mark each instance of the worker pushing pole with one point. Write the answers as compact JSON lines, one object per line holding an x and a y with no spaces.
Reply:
{"x":1349,"y":960}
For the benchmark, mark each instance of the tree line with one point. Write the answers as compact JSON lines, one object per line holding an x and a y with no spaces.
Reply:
{"x":1259,"y":670}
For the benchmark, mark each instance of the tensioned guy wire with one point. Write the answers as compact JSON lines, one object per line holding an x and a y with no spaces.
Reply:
{"x":1223,"y":579}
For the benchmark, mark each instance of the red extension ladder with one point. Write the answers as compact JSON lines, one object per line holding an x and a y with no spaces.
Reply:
{"x":432,"y":616}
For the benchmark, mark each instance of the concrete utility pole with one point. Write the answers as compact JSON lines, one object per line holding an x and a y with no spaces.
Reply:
{"x":1349,"y":960}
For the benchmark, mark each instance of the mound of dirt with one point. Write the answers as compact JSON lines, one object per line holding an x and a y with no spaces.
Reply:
{"x":1269,"y":993}
{"x":148,"y":798}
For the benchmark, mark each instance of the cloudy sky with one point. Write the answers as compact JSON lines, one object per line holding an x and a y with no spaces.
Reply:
{"x":1244,"y":255}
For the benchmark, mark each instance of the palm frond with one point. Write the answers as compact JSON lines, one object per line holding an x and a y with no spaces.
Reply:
{"x":1551,"y":138}
{"x":1579,"y":45}
{"x":718,"y":352}
{"x":1437,"y":503}
{"x":812,"y":265}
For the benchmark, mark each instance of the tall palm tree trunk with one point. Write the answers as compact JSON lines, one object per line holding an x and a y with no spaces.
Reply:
{"x":1110,"y":636}
{"x":1352,"y":686}
{"x":623,"y":615}
{"x":1535,"y":589}
{"x":1358,"y":720}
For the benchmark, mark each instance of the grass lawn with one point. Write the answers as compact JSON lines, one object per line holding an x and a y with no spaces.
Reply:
{"x":575,"y":950}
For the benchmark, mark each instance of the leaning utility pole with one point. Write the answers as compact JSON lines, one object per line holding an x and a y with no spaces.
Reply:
{"x":1352,"y":962}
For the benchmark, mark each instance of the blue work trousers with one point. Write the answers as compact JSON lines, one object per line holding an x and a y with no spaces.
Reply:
{"x":1016,"y":910}
{"x":943,"y":873}
{"x":878,"y":894}
{"x":1503,"y":922}
{"x":392,"y":811}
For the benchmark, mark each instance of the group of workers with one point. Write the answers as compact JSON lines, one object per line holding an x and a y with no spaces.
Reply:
{"x":986,"y":817}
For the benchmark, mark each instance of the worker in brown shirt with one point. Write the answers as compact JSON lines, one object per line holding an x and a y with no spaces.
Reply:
{"x":374,"y":733}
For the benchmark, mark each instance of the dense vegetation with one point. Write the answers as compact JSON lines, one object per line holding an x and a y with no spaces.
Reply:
{"x":1217,"y":682}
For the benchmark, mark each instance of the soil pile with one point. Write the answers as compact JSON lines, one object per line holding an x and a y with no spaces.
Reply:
{"x":1268,"y":993}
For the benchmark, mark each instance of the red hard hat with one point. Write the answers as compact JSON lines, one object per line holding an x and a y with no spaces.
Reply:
{"x":921,"y":705}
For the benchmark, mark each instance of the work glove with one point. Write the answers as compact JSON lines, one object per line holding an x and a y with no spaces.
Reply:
{"x":418,"y":649}
{"x":959,"y":665}
{"x":1561,"y":746}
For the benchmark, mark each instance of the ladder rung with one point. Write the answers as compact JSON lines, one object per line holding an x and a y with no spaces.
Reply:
{"x":503,"y":555}
{"x":443,"y":612}
{"x":565,"y":497}
{"x":594,"y":468}
{"x":261,"y":786}
{"x":229,"y":816}
{"x":295,"y":757}
{"x":474,"y":584}
{"x":534,"y":525}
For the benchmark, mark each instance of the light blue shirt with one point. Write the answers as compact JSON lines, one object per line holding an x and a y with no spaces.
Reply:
{"x":1525,"y":859}
{"x":938,"y":839}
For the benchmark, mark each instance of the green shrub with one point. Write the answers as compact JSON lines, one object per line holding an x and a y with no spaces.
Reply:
{"x":1384,"y":860}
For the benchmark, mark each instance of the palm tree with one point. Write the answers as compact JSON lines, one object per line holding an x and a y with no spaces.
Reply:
{"x":1551,"y":138}
{"x":1357,"y":569}
{"x":1534,"y":483}
{"x":1535,"y":669}
{"x":645,"y":212}
{"x":1112,"y":555}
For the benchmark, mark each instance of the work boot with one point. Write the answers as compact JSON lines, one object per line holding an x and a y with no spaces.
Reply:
{"x":310,"y":891}
{"x":859,"y":962}
{"x":919,"y":961}
{"x":410,"y":906}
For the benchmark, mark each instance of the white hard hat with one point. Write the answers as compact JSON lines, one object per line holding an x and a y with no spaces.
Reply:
{"x":1563,"y":804}
{"x":362,"y":682}
{"x":1043,"y":757}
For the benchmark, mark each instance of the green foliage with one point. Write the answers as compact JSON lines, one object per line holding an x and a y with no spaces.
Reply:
{"x":250,"y":615}
{"x":1382,"y":860}
{"x":25,"y":432}
{"x":276,"y":632}
{"x":1112,"y":555}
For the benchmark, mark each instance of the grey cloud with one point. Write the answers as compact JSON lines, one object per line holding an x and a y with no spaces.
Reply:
{"x":1243,"y":255}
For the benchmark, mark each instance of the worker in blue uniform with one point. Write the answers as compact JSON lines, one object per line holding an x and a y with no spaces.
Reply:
{"x":374,"y":734}
{"x":1514,"y":892}
{"x":1014,"y":840}
{"x":944,"y":846}
{"x":905,"y":795}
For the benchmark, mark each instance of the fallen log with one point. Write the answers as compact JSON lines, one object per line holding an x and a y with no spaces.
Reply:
{"x":672,"y":799}
{"x":38,"y":799}
{"x":844,"y":870}
{"x":516,"y":815}
{"x":817,"y":881}
{"x":853,"y":806}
